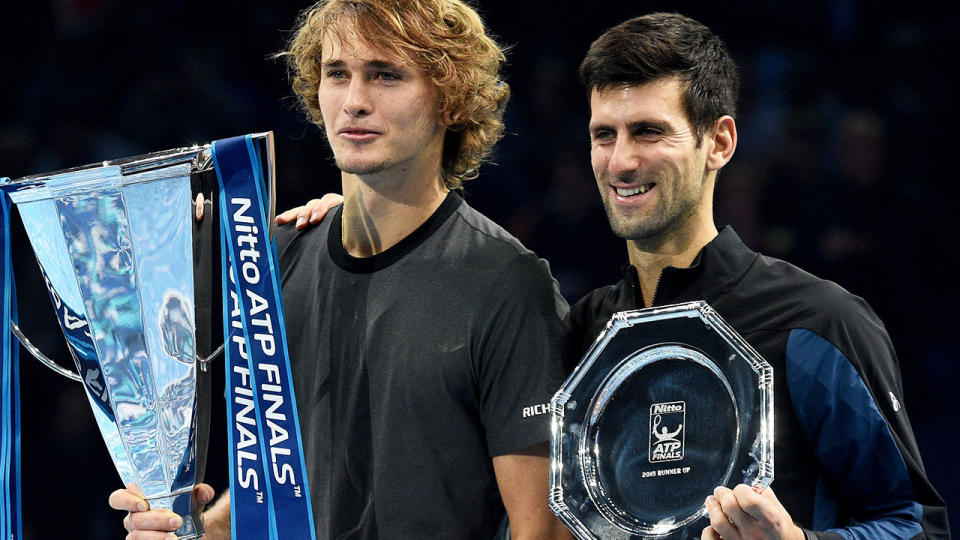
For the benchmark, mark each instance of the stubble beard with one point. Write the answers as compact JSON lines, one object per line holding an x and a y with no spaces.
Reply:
{"x":662,"y":223}
{"x":362,"y":168}
{"x":376,"y":165}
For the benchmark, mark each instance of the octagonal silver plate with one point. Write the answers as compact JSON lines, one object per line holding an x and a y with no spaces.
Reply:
{"x":667,"y":404}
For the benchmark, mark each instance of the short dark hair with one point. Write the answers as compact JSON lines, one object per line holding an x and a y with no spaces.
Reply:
{"x":660,"y":45}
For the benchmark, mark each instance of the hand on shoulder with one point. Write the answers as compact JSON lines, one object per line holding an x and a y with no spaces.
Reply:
{"x":311,"y":213}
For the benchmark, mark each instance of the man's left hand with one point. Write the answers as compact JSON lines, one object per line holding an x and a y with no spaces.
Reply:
{"x":311,"y":213}
{"x":742,"y":513}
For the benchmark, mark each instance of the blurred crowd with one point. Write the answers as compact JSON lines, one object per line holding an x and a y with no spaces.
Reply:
{"x":842,"y":168}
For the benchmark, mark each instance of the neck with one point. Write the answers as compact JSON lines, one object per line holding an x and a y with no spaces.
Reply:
{"x":379,"y":212}
{"x":679,"y":249}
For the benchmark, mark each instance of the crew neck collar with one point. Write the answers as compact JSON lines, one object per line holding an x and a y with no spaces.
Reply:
{"x":366,"y":265}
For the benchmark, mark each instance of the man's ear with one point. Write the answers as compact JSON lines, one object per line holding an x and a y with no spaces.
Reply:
{"x":447,"y":118}
{"x":724,"y":138}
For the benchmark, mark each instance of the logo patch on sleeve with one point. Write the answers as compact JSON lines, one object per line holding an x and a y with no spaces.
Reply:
{"x":536,"y":410}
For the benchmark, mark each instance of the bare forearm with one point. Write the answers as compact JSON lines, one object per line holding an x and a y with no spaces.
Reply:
{"x":216,"y":519}
{"x":524,"y":482}
{"x":554,"y":531}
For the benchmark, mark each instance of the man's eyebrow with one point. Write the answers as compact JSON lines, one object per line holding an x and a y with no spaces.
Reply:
{"x":634,"y":126}
{"x":383,"y":64}
{"x":599,"y":126}
{"x":374,"y":64}
{"x":640,"y":124}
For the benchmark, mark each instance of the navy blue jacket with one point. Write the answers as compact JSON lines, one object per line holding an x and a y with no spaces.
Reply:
{"x":846,"y":462}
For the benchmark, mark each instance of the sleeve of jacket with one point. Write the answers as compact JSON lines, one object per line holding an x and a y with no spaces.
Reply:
{"x":844,"y":382}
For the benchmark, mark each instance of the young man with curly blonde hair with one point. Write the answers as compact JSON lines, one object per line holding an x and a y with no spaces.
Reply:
{"x":425,"y":339}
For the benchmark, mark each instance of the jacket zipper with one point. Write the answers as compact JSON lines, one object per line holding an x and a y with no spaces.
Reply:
{"x":638,"y":291}
{"x":656,"y":289}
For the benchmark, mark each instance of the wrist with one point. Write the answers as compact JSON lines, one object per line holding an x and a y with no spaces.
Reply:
{"x":215,"y":526}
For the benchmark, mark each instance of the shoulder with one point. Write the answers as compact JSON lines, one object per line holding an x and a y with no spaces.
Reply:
{"x":599,"y":304}
{"x":494,"y":270}
{"x":590,"y":314}
{"x":789,"y":298}
{"x":492,"y":252}
{"x":284,"y":235}
{"x":292,"y":243}
{"x":486,"y":235}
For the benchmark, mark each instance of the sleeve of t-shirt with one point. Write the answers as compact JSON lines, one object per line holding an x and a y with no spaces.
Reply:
{"x":521,"y":341}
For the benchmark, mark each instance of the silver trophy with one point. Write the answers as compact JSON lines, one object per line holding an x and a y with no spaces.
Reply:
{"x":133,"y":278}
{"x":667,"y":404}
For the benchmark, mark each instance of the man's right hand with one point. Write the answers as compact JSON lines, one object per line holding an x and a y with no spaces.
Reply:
{"x":142,"y":522}
{"x":312,"y":212}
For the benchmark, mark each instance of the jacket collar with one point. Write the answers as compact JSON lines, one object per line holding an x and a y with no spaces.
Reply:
{"x":717,"y":268}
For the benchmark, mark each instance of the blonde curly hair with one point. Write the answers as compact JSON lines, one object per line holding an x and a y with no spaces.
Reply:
{"x":445,"y":38}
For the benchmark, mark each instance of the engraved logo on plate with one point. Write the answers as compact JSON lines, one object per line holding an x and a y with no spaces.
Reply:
{"x":666,"y":431}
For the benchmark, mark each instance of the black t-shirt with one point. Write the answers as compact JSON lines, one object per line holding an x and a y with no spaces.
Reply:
{"x":414,"y":368}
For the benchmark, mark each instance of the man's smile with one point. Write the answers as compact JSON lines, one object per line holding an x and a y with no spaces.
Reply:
{"x":632,"y":192}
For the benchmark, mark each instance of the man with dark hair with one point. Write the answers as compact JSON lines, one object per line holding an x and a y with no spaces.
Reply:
{"x":662,"y":92}
{"x":424,"y":339}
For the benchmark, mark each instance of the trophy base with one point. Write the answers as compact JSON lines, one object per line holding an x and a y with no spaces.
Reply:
{"x":186,"y":507}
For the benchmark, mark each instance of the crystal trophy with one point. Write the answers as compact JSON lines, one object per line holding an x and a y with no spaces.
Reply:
{"x":666,"y":405}
{"x":134,"y":279}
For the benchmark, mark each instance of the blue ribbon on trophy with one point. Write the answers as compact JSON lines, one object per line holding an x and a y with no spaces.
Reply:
{"x":10,"y":525}
{"x":258,"y":367}
{"x":114,"y":245}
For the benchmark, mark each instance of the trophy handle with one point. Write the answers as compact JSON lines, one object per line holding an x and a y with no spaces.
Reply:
{"x":45,"y":360}
{"x":204,"y":361}
{"x":33,"y":350}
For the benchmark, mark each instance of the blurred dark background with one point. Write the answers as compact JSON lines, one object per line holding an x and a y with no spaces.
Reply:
{"x":842,"y":168}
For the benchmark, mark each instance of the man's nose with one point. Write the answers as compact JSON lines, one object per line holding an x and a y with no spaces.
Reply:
{"x":625,"y":157}
{"x":357,"y":102}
